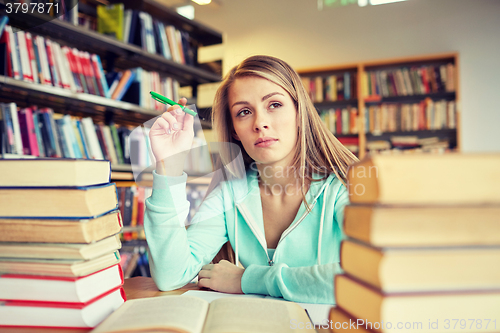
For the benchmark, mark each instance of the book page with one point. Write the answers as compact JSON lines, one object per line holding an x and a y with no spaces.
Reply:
{"x":249,"y":315}
{"x":164,"y":313}
{"x":318,"y":312}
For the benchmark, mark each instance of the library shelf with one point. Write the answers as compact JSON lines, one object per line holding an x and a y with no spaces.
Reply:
{"x":117,"y":53}
{"x":361,"y":99}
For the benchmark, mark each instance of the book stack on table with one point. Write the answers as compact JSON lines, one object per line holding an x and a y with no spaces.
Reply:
{"x":59,"y":259}
{"x":423,"y":246}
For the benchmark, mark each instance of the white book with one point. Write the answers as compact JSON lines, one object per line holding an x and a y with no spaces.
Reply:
{"x":44,"y":62}
{"x":150,"y":35}
{"x":17,"y":130}
{"x":164,"y":41}
{"x":106,"y":133}
{"x":127,"y":18}
{"x":24,"y":56}
{"x":92,"y":140}
{"x":144,"y":39}
{"x":63,"y":68}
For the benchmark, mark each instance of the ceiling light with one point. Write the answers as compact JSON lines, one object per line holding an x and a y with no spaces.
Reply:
{"x":202,"y":2}
{"x":382,"y":2}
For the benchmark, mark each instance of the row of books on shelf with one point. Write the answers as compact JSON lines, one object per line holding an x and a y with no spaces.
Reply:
{"x":131,"y":203}
{"x":141,"y":29}
{"x":397,"y":144}
{"x":39,"y":132}
{"x":39,"y":60}
{"x":341,"y":120}
{"x":404,"y":250}
{"x":134,"y":262}
{"x":426,"y":115}
{"x":408,"y":81}
{"x":59,"y":243}
{"x":331,"y":88}
{"x":43,"y":133}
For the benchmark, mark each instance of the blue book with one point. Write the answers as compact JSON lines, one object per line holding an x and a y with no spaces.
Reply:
{"x":62,"y":139}
{"x":127,"y":85}
{"x":68,"y":126}
{"x":347,"y":85}
{"x":3,"y":21}
{"x":39,"y":138}
{"x":102,"y":76}
{"x":83,"y":138}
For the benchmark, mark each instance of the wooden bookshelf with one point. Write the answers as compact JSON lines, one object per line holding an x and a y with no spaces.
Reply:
{"x":361,"y":101}
{"x":114,"y":54}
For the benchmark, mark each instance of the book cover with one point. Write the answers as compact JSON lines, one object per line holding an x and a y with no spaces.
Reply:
{"x":110,"y":20}
{"x":74,"y":202}
{"x":60,"y":230}
{"x":92,"y":139}
{"x":61,"y":315}
{"x":58,"y":289}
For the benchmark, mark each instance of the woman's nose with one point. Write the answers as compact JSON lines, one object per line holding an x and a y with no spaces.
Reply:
{"x":261,"y":121}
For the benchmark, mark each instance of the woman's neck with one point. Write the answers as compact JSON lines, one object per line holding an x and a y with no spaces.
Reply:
{"x":280,"y":180}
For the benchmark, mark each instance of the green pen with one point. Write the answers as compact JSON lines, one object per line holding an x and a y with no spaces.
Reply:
{"x":164,"y":100}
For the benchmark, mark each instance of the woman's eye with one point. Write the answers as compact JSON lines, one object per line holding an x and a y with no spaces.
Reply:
{"x":243,"y":112}
{"x":274,"y":105}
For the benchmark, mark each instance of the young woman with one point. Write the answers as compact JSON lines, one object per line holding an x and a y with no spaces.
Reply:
{"x":283,"y":218}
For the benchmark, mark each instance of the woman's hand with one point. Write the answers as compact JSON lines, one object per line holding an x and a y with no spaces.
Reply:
{"x":172,"y":136}
{"x":224,"y":277}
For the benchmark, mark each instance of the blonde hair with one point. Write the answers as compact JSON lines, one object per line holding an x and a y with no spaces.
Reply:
{"x":318,"y":150}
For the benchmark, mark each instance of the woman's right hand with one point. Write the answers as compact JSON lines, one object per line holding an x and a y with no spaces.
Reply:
{"x":171,"y":139}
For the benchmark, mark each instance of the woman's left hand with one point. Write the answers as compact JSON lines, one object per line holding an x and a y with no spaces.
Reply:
{"x":224,"y":277}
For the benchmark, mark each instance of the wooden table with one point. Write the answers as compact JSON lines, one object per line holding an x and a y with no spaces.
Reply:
{"x":136,"y":287}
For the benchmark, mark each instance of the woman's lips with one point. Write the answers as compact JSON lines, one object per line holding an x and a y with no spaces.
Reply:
{"x":266,"y":143}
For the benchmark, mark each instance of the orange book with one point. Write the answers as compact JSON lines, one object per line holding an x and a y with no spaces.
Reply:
{"x":121,"y":84}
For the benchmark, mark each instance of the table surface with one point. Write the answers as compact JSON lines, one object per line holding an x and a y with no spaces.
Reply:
{"x":136,"y":287}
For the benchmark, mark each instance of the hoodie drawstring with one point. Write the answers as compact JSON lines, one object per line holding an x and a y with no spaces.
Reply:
{"x":236,"y":237}
{"x":321,"y":225}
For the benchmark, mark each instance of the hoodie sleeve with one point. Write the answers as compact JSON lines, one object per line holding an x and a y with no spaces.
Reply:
{"x":177,"y":254}
{"x":312,"y":284}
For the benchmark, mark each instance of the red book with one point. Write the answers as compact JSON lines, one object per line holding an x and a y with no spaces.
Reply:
{"x":97,"y":75}
{"x":56,"y":79}
{"x":73,"y":68}
{"x":8,"y":53}
{"x":338,"y":121}
{"x":28,"y":132}
{"x":32,"y":58}
{"x":425,"y":80}
{"x":88,"y":72}
{"x":41,"y":288}
{"x":60,"y":314}
{"x":79,"y":68}
{"x":140,"y":205}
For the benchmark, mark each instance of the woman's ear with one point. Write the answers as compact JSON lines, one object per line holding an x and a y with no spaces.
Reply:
{"x":235,"y":136}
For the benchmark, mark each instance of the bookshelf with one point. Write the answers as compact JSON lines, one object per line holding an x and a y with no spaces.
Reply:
{"x":409,"y":120}
{"x":115,"y":55}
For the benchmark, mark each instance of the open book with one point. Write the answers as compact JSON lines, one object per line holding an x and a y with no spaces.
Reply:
{"x":195,"y":315}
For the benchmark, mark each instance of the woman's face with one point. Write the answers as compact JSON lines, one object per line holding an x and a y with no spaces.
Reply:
{"x":264,"y":119}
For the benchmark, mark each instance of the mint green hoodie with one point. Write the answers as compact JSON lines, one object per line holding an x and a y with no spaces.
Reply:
{"x":306,"y":257}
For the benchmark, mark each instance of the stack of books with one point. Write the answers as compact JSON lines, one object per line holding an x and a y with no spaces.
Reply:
{"x":59,"y":259}
{"x":423,"y":251}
